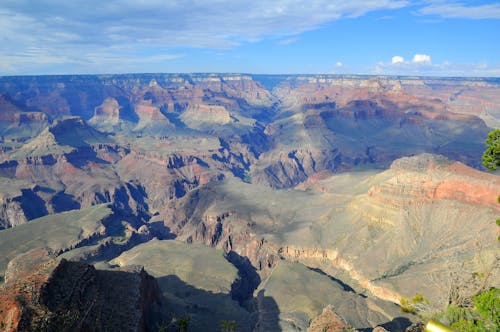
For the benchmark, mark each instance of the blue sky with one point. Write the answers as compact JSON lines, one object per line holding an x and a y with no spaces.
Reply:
{"x":421,"y":37}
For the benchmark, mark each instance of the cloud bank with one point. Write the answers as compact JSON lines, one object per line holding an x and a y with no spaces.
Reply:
{"x":449,"y":9}
{"x":95,"y":36}
{"x":79,"y":32}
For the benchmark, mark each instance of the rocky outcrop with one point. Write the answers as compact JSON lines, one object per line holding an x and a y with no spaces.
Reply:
{"x":427,"y":178}
{"x":11,"y":213}
{"x":63,"y":136}
{"x":196,"y":116}
{"x":109,"y":111}
{"x":37,"y":201}
{"x":107,"y":116}
{"x":42,"y":293}
{"x":150,"y":118}
{"x":329,"y":321}
{"x":18,"y":122}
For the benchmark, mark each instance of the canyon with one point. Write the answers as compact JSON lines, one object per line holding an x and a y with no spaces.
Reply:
{"x":277,"y":202}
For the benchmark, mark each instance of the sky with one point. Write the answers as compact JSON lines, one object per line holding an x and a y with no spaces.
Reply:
{"x":376,"y":37}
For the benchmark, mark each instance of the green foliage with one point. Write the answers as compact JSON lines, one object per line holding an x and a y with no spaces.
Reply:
{"x":164,"y":327}
{"x":411,"y":305}
{"x":61,"y":321}
{"x":462,"y":319}
{"x":176,"y":325}
{"x":247,"y":177}
{"x":491,"y":156}
{"x":454,"y":314}
{"x":228,"y":326}
{"x":419,"y":298}
{"x":395,"y":272}
{"x":408,"y":309}
{"x":465,"y":325}
{"x":498,"y":224}
{"x":483,"y":317}
{"x":488,"y":306}
{"x":183,"y":324}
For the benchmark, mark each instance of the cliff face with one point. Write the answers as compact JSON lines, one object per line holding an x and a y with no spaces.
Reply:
{"x":430,"y":178}
{"x":12,"y":213}
{"x":43,"y":294}
{"x":408,"y":218}
{"x":460,"y":96}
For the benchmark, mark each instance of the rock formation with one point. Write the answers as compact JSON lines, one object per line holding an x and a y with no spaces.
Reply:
{"x":328,"y":321}
{"x":41,"y":293}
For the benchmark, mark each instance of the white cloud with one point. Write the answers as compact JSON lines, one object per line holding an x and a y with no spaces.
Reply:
{"x":449,"y":9}
{"x":421,"y":58}
{"x":288,"y":41}
{"x":187,"y":23}
{"x":421,"y":65}
{"x":73,"y":29}
{"x":397,"y":59}
{"x":339,"y":64}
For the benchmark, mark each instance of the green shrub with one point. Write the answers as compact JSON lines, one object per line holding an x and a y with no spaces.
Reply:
{"x":228,"y":326}
{"x":247,"y":177}
{"x":487,"y":305}
{"x":483,"y":317}
{"x":183,"y":324}
{"x":411,"y":305}
{"x":465,"y":326}
{"x":491,"y":156}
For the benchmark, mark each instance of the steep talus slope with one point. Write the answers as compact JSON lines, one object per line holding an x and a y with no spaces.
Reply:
{"x":60,"y":232}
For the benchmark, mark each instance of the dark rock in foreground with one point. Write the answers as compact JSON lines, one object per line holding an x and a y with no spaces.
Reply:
{"x":45,"y":294}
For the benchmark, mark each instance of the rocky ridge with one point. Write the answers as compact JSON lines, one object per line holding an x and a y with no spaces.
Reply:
{"x":42,"y":293}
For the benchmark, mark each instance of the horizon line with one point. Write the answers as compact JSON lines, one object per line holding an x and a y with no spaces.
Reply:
{"x":259,"y":74}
